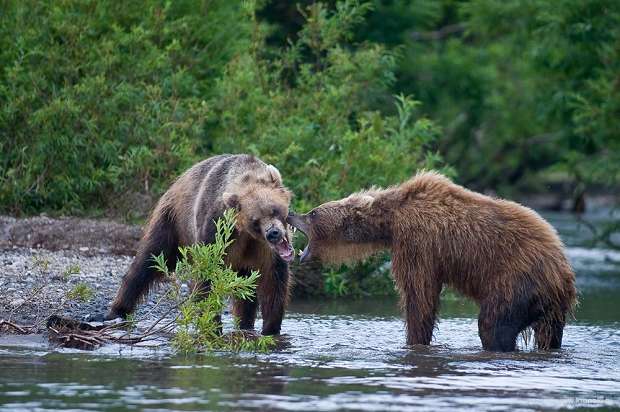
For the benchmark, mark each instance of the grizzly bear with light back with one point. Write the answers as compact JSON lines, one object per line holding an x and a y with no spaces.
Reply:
{"x":497,"y":252}
{"x":186,"y":215}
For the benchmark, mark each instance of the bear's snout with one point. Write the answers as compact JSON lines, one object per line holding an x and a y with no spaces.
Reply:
{"x":274,"y":235}
{"x":299,"y":222}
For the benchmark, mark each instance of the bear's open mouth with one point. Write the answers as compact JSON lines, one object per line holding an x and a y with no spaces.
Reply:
{"x":304,"y":254}
{"x":299,"y":222}
{"x":284,"y":249}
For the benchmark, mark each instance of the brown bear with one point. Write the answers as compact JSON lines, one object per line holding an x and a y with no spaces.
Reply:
{"x":186,"y":215}
{"x":499,"y":253}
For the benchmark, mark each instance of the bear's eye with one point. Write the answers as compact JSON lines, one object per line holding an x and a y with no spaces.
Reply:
{"x":255,"y":223}
{"x":313,"y":213}
{"x":274,"y":212}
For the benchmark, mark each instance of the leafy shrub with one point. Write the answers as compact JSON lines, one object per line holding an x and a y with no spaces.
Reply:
{"x":199,"y":326}
{"x":81,"y":293}
{"x":526,"y":91}
{"x":309,"y":109}
{"x":371,"y":277}
{"x":99,"y":99}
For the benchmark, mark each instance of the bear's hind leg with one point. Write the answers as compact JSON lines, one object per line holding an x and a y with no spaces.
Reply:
{"x":499,"y":325}
{"x":245,"y":312}
{"x":501,"y":337}
{"x":548,"y":332}
{"x":160,"y":237}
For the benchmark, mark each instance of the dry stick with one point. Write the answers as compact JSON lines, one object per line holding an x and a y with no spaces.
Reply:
{"x":151,"y":330}
{"x":101,"y":336}
{"x":151,"y":310}
{"x":161,"y":318}
{"x":114,"y":326}
{"x":33,"y":294}
{"x":85,"y":338}
{"x":15,"y":326}
{"x":163,"y":328}
{"x":159,"y":301}
{"x":132,"y":340}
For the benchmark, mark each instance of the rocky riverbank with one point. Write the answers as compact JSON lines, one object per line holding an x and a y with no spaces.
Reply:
{"x":38,"y":283}
{"x":73,"y":267}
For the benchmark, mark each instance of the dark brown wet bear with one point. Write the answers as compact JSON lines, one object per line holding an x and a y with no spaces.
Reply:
{"x":499,"y":253}
{"x":186,"y":214}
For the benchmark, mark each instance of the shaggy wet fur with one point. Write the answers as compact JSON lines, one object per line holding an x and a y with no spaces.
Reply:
{"x":186,"y":214}
{"x":499,"y":253}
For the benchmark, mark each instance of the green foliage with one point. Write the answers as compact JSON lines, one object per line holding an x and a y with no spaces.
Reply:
{"x":526,"y":91}
{"x":310,"y":108}
{"x":370,"y":277}
{"x":42,"y":263}
{"x":81,"y":293}
{"x":199,"y":326}
{"x":99,"y":100}
{"x":70,"y":271}
{"x":335,"y":283}
{"x":100,"y":104}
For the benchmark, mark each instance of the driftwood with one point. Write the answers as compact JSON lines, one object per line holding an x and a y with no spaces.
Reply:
{"x":11,"y":327}
{"x":71,"y":333}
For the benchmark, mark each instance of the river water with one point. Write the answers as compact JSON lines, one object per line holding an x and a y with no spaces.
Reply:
{"x":347,"y":355}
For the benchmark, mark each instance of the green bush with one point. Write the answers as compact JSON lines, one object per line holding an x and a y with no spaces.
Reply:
{"x":311,"y":109}
{"x":98,"y":102}
{"x":526,"y":91}
{"x":308,"y":108}
{"x":371,"y":277}
{"x":103,"y":99}
{"x":199,"y":324}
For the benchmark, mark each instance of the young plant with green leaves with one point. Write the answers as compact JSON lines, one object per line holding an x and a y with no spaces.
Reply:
{"x":199,"y":323}
{"x":81,"y":293}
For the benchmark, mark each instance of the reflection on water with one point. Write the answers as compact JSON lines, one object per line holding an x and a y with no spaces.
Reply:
{"x":347,"y":355}
{"x":332,"y":362}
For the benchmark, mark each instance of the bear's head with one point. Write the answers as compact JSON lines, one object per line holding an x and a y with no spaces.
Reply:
{"x":261,"y":213}
{"x":343,"y":230}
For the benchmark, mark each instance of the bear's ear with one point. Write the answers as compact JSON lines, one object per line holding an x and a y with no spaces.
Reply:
{"x":231,"y":201}
{"x":275,"y":175}
{"x":287,"y":193}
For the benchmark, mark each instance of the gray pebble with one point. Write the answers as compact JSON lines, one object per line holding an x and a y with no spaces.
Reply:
{"x":17,"y":302}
